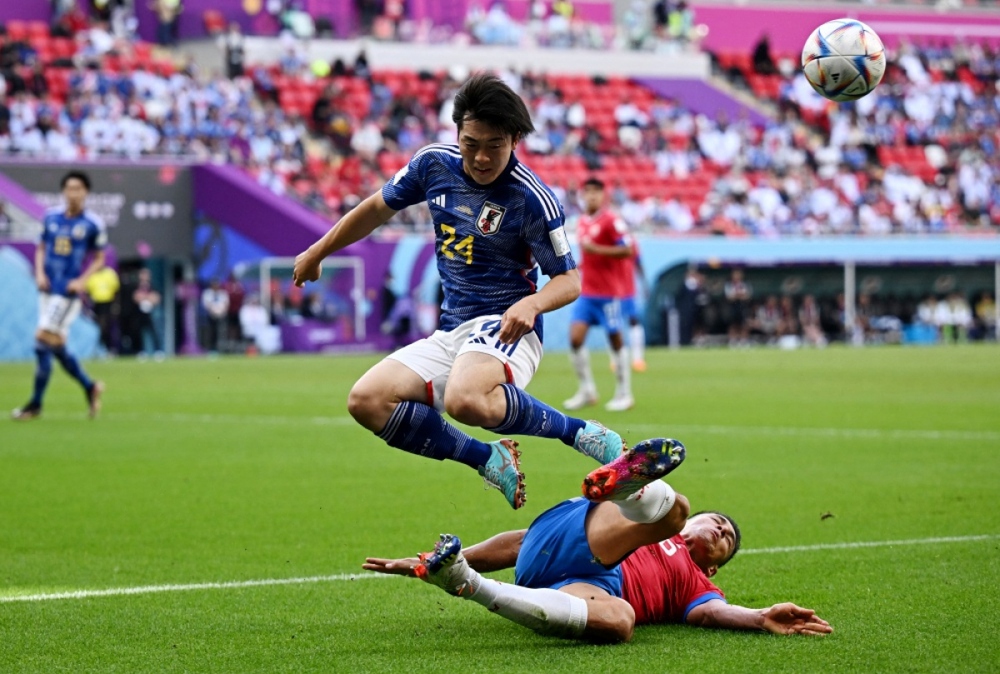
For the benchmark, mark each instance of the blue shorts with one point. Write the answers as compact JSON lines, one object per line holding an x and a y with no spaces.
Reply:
{"x":630,"y":311}
{"x":604,"y":311}
{"x":555,"y":552}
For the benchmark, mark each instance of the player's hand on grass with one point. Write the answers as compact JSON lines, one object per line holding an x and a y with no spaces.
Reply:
{"x":397,"y":567}
{"x":306,"y":269}
{"x":788,"y":618}
{"x":43,"y":281}
{"x":517,"y":321}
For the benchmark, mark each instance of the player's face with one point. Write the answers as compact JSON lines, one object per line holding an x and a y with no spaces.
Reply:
{"x":485,"y":151}
{"x":75,"y":194}
{"x":711,"y":539}
{"x":593,"y":198}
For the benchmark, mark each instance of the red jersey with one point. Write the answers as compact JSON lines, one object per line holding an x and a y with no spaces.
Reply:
{"x":662,"y":583}
{"x":627,"y":284}
{"x":602,"y":275}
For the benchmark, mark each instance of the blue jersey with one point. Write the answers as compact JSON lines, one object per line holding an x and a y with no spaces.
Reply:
{"x":67,"y":241}
{"x":489,"y":240}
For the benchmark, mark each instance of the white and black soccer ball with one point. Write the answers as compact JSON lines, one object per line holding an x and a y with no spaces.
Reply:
{"x":843,"y":60}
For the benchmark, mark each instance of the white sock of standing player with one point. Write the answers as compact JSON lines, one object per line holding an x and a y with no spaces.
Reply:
{"x":637,"y":340}
{"x":545,"y":611}
{"x":649,"y":504}
{"x":581,"y":365}
{"x":623,"y":373}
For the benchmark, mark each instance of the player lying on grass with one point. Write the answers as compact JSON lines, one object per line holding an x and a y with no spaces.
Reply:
{"x":594,"y":568}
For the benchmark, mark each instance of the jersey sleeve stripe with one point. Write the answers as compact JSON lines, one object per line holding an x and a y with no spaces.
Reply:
{"x":546,"y":202}
{"x":544,"y":195}
{"x":703,"y":599}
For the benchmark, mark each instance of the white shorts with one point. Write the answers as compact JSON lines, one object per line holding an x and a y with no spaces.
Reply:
{"x":57,"y":312}
{"x":433,"y":357}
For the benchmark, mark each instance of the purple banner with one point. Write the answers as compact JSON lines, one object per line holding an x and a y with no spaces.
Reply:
{"x":702,"y":98}
{"x":257,"y":21}
{"x":14,"y":193}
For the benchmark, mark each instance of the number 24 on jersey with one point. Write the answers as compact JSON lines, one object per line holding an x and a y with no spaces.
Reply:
{"x":449,"y":248}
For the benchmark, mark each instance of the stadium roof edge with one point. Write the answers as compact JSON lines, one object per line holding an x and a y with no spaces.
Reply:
{"x":409,"y":56}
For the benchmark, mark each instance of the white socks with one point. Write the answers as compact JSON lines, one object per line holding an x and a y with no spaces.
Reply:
{"x":548,"y":612}
{"x":649,"y":504}
{"x":637,"y":340}
{"x":623,"y":373}
{"x":581,"y":364}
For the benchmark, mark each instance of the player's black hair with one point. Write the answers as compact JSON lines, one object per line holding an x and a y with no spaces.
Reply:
{"x":486,"y":98}
{"x":594,"y":181}
{"x":737,"y":536}
{"x":75,"y":175}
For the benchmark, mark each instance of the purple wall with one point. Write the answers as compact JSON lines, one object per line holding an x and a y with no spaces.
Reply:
{"x":15,"y":194}
{"x":734,"y":28}
{"x":703,"y":98}
{"x":25,"y":10}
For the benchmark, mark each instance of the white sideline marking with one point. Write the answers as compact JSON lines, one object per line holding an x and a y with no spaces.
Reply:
{"x":151,"y":589}
{"x":868,"y":544}
{"x":273,"y":420}
{"x":890,"y":433}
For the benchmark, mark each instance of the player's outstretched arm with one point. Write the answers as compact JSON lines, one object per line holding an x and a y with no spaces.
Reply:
{"x":40,"y":277}
{"x":784,"y":618}
{"x":494,"y":554}
{"x":356,"y":225}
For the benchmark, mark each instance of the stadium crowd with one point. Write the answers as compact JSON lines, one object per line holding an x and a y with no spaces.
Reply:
{"x":918,"y":155}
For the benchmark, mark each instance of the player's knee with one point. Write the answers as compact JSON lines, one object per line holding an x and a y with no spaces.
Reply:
{"x":363,"y":403}
{"x":466,"y":408}
{"x":616,"y":625}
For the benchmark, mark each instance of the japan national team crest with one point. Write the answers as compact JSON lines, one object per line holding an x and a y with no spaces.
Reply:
{"x":490,"y":218}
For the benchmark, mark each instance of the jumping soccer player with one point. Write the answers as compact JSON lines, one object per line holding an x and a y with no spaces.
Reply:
{"x":493,"y":220}
{"x":68,"y":235}
{"x":594,"y":569}
{"x":605,"y":248}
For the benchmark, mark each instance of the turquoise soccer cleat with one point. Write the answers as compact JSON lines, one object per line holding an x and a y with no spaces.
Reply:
{"x":599,"y":442}
{"x":503,"y":471}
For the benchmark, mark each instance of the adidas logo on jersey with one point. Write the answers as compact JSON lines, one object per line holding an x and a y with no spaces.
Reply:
{"x":439,"y":200}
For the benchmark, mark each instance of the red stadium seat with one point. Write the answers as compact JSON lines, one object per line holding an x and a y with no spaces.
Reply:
{"x":17,"y":31}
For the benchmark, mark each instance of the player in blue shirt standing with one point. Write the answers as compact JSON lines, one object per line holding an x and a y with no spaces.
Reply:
{"x":68,"y":235}
{"x":495,"y":223}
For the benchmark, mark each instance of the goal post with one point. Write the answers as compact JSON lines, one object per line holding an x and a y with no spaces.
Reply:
{"x":342,"y":283}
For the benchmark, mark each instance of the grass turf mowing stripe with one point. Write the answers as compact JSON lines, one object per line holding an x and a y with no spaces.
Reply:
{"x":150,"y":589}
{"x":271,"y":420}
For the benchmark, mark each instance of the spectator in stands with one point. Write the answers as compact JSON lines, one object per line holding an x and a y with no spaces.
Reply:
{"x":168,"y":13}
{"x":234,"y":44}
{"x":763,"y":62}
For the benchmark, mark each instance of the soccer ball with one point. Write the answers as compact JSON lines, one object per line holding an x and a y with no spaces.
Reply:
{"x":843,"y":60}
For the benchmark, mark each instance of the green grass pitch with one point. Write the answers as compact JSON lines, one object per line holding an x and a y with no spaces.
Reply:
{"x":237,"y":469}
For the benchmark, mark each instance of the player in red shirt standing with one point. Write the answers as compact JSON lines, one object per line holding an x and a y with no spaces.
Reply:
{"x":630,"y":309}
{"x":594,"y":568}
{"x":605,"y":251}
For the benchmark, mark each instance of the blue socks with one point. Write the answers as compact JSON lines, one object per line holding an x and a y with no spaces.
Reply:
{"x":43,"y":371}
{"x":72,"y":367}
{"x":420,"y":429}
{"x":530,"y":416}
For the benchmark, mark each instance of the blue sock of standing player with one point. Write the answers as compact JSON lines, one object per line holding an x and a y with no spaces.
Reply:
{"x":43,"y":371}
{"x":529,"y":416}
{"x":420,"y":429}
{"x":72,"y":367}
